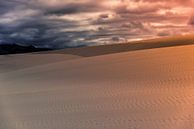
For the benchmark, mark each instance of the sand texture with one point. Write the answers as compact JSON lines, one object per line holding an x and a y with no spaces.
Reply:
{"x":147,"y":89}
{"x":13,"y":62}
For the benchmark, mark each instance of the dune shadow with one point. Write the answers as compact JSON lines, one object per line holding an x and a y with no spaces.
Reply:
{"x":125,"y":47}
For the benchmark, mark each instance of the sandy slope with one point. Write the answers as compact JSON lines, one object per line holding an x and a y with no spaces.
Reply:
{"x":149,"y":89}
{"x":20,"y":61}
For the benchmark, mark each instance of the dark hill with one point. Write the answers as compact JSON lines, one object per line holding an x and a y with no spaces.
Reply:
{"x":15,"y":49}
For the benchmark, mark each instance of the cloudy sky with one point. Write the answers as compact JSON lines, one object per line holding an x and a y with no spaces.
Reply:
{"x":69,"y":23}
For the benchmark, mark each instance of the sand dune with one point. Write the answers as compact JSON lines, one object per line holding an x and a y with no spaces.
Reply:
{"x":131,"y":46}
{"x":20,"y":61}
{"x":148,"y":89}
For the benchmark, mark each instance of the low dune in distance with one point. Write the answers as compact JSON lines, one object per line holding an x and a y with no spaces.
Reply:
{"x":120,"y":89}
{"x":21,"y":61}
{"x":131,"y":46}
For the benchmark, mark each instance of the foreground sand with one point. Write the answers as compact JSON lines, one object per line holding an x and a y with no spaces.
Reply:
{"x":148,"y":89}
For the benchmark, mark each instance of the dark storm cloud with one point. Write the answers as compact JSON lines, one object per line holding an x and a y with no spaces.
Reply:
{"x":43,"y":32}
{"x":6,"y":6}
{"x":73,"y":8}
{"x":68,"y":23}
{"x":30,"y":23}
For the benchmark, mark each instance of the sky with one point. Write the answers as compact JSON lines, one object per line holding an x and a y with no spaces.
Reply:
{"x":72,"y":23}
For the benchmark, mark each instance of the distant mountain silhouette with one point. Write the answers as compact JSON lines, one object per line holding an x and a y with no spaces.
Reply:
{"x":15,"y":48}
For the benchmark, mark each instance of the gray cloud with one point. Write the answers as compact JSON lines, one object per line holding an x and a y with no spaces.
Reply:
{"x":73,"y":8}
{"x":69,"y":23}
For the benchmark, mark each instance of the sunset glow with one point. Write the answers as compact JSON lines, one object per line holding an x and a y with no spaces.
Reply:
{"x":96,"y":64}
{"x":60,"y":23}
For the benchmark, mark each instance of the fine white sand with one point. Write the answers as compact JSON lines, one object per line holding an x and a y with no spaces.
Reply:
{"x":148,"y":89}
